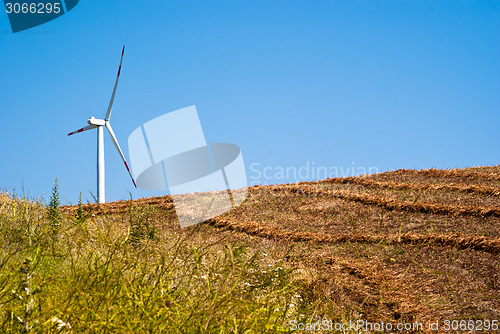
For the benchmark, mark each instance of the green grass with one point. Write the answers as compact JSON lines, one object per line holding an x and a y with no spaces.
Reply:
{"x":98,"y":276}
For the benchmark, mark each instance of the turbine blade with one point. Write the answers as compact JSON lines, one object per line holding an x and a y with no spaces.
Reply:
{"x":113,"y":138}
{"x":90,"y":127}
{"x":108,"y":113}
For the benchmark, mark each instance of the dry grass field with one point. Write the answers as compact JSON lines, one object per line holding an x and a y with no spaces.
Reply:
{"x":405,"y":246}
{"x":398,"y":246}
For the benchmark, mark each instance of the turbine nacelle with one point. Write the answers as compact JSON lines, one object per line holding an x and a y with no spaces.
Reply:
{"x":96,"y":122}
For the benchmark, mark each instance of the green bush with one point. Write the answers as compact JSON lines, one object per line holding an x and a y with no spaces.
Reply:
{"x":53,"y":210}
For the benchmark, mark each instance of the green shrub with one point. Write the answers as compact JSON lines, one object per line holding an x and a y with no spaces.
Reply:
{"x":142,"y":223}
{"x":53,"y":210}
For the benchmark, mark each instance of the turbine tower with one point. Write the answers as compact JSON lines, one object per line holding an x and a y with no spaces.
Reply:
{"x":99,"y":124}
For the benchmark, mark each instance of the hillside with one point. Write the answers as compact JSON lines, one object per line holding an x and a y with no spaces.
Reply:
{"x":398,"y":245}
{"x":404,"y":246}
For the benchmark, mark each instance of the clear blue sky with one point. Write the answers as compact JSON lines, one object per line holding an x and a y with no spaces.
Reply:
{"x":385,"y":84}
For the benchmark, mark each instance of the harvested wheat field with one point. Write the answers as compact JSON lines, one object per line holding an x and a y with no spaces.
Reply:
{"x":405,"y":246}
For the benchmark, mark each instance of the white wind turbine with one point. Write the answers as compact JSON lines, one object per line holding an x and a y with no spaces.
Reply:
{"x":99,"y":124}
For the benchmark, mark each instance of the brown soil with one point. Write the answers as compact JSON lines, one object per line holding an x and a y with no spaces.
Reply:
{"x":399,"y":246}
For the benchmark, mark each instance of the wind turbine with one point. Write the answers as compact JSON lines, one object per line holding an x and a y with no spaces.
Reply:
{"x":99,"y":124}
